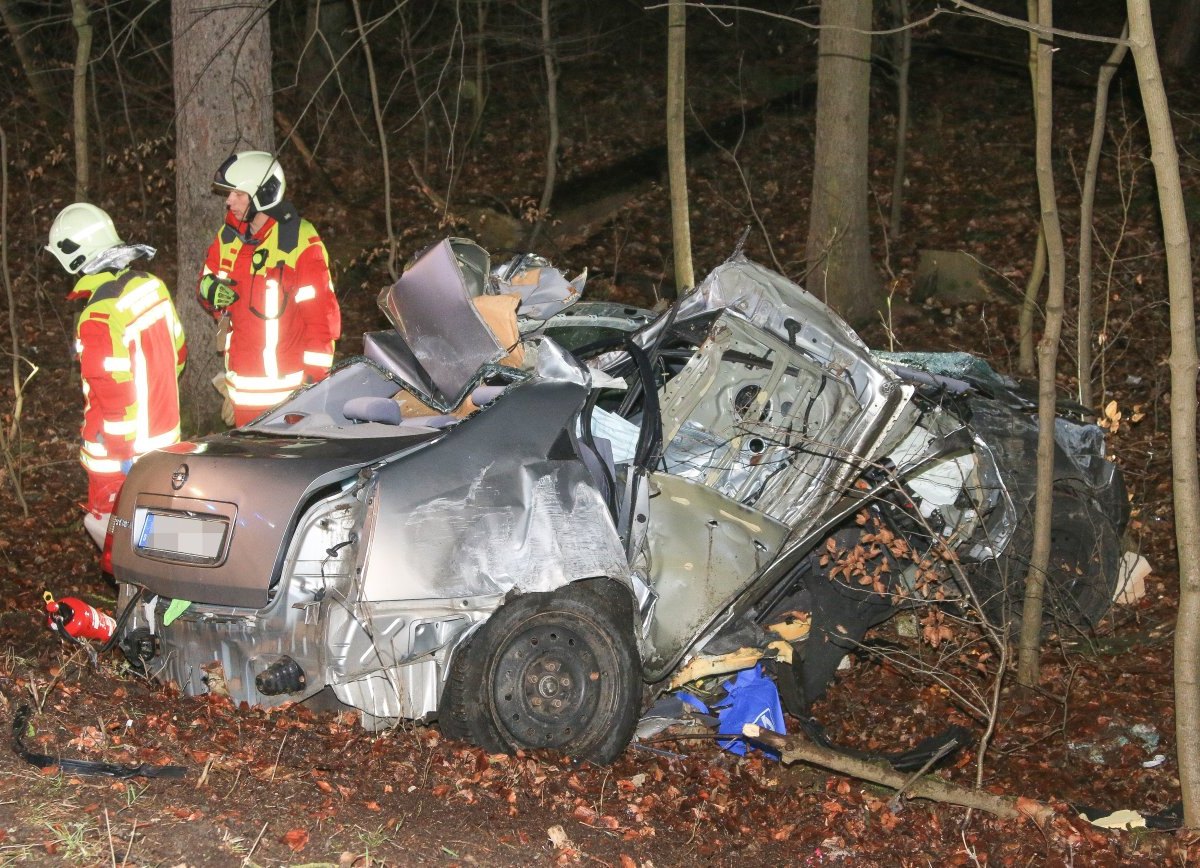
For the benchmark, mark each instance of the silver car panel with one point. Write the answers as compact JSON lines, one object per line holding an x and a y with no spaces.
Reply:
{"x":430,"y":306}
{"x":492,"y":507}
{"x":705,"y":548}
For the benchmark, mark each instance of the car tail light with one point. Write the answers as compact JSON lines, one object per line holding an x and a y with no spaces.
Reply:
{"x":106,"y":560}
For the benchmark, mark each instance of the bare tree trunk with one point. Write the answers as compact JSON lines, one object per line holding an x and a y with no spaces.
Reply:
{"x":551,"y":66}
{"x":903,"y":54}
{"x":18,"y":32}
{"x":83,"y":56}
{"x":1185,"y":473}
{"x":10,"y":431}
{"x":377,"y":111}
{"x":1086,"y":206}
{"x":1029,"y":302}
{"x":838,"y":247}
{"x":1029,"y":306}
{"x":480,"y":71}
{"x":681,"y":220}
{"x":223,"y":104}
{"x":1029,"y":646}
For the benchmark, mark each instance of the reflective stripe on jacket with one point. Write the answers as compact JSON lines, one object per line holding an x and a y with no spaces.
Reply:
{"x":286,"y":318}
{"x":131,"y":351}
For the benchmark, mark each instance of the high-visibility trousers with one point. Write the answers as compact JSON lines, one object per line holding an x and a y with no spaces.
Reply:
{"x":103,"y":489}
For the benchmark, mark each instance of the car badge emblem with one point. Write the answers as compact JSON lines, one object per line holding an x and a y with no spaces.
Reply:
{"x":180,"y":477}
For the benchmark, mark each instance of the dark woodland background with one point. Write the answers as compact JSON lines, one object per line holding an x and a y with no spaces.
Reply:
{"x":462,"y":97}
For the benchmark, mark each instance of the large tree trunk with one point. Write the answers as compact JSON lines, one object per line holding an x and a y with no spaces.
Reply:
{"x":18,"y":32}
{"x":838,"y":249}
{"x":223,"y":104}
{"x":1185,"y":473}
{"x":327,"y":25}
{"x":1030,"y":646}
{"x":681,"y":223}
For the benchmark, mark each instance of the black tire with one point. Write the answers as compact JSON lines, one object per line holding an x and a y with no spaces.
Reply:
{"x":452,"y":717}
{"x":550,"y":670}
{"x":1085,"y":556}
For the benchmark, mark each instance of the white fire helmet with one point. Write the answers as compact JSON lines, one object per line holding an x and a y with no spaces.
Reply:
{"x":255,"y":173}
{"x":79,"y":234}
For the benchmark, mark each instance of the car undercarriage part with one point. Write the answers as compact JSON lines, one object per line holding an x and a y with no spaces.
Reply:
{"x":20,"y":724}
{"x":282,"y":676}
{"x":1083,"y":571}
{"x":139,"y":646}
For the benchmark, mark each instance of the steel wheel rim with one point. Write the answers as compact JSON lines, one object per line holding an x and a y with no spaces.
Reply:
{"x":547,"y":684}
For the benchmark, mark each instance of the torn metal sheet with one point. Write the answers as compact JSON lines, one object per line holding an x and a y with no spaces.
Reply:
{"x":431,"y":310}
{"x":544,"y":290}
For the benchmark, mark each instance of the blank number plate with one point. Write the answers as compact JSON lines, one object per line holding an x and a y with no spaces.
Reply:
{"x":184,"y":536}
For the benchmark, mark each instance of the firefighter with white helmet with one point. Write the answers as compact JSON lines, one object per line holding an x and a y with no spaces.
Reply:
{"x":131,"y":351}
{"x":266,"y":278}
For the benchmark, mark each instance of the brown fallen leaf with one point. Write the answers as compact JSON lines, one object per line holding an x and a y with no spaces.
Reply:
{"x":297,"y":839}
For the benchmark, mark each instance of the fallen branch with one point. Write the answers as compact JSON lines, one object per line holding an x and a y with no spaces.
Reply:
{"x":933,"y":788}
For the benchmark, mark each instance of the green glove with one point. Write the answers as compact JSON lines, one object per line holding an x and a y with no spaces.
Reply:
{"x":217,"y":291}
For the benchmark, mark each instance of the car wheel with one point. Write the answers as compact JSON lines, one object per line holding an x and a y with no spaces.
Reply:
{"x":1085,"y":555}
{"x":557,"y":670}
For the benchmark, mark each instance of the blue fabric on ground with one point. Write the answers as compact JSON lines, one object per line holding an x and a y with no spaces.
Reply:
{"x":752,"y":698}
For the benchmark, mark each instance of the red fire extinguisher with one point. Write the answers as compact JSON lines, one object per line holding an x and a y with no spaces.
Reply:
{"x":79,"y":620}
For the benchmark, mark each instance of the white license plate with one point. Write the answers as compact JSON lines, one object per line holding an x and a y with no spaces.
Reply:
{"x":191,"y":537}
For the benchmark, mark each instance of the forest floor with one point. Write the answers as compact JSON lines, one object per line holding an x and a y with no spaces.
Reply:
{"x":293,"y":786}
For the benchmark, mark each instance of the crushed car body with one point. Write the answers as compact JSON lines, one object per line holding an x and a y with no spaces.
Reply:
{"x":525,"y":527}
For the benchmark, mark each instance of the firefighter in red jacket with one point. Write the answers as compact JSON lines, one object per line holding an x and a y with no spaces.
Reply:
{"x":266,"y":278}
{"x":131,"y":351}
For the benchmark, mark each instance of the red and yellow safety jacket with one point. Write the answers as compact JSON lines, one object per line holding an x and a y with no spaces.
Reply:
{"x":131,"y":350}
{"x":284,"y":323}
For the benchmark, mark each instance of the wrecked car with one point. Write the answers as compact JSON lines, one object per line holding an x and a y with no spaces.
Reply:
{"x":527,"y":528}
